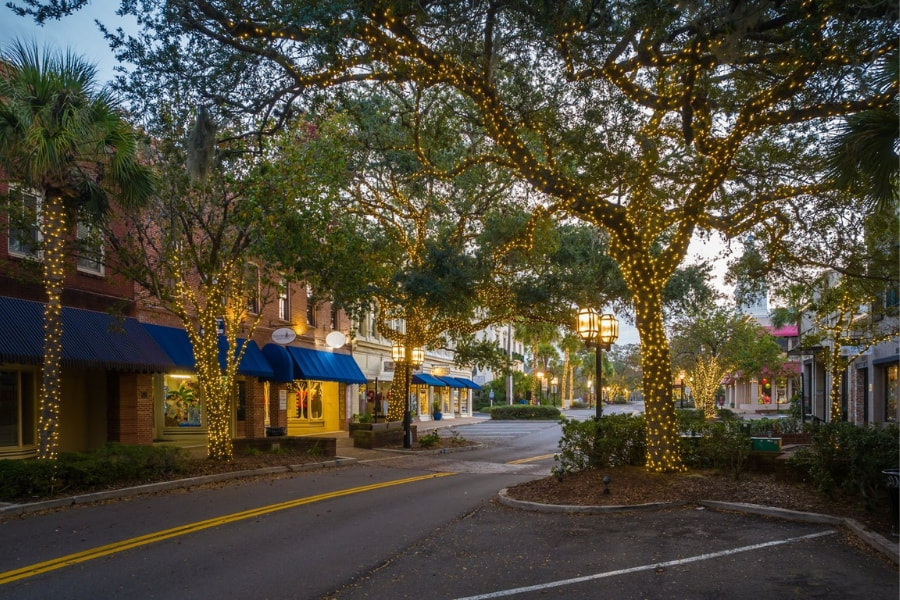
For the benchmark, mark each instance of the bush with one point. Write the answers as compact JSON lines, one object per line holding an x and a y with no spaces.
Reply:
{"x":723,"y":445}
{"x":849,"y":457}
{"x":524,"y":411}
{"x":689,"y":419}
{"x":610,"y":441}
{"x":429,"y":439}
{"x":74,"y":472}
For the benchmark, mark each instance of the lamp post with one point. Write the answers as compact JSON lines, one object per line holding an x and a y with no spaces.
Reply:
{"x":540,"y":376}
{"x":416,"y":358}
{"x":554,"y":390}
{"x":599,"y":331}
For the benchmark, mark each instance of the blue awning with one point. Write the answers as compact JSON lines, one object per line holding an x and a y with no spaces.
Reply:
{"x":90,"y":339}
{"x":451,"y":381}
{"x":425,"y":379}
{"x":292,"y":362}
{"x":468,"y":383}
{"x":177,"y":345}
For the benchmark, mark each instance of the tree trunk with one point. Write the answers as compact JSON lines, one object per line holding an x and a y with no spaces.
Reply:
{"x":53,"y":228}
{"x":663,"y":442}
{"x":215,"y":386}
{"x":564,"y":387}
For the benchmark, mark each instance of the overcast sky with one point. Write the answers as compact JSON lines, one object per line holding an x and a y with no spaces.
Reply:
{"x":80,"y":34}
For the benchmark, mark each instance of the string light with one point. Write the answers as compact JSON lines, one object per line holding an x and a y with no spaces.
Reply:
{"x":673,"y":85}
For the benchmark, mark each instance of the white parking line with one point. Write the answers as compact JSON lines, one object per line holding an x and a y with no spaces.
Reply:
{"x":651,"y":567}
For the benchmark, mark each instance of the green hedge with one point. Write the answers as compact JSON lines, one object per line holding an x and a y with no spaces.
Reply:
{"x":610,"y":441}
{"x":850,"y":457}
{"x":112,"y":464}
{"x":525,"y":411}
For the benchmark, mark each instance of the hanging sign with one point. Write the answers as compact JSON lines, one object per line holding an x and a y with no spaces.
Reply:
{"x":283,"y":335}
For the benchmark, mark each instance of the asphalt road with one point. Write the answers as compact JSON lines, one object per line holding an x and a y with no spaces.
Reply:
{"x":400,"y":526}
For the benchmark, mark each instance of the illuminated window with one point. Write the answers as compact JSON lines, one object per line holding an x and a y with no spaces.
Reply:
{"x":17,"y":408}
{"x":890,"y":394}
{"x":24,"y":224}
{"x":181,"y":406}
{"x":90,"y":249}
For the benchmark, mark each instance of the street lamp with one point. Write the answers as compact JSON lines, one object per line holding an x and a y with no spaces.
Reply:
{"x":600,"y":332}
{"x":540,"y":376}
{"x":553,"y":389}
{"x":416,"y":358}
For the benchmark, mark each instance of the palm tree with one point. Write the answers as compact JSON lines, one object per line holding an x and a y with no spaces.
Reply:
{"x":65,"y":140}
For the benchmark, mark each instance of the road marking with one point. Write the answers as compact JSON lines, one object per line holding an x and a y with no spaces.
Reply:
{"x":651,"y":567}
{"x":149,"y":538}
{"x":522,"y":461}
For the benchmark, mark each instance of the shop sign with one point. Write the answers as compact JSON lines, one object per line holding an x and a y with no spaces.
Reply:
{"x":283,"y":335}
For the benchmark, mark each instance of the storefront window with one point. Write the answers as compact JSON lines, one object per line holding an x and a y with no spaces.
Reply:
{"x":890,"y":394}
{"x":182,"y":402}
{"x":309,"y":404}
{"x":17,"y":424}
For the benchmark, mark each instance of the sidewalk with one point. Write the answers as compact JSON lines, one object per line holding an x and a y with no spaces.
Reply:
{"x":345,"y":448}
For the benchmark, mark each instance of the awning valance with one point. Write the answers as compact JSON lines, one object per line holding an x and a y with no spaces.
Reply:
{"x":90,"y":339}
{"x":177,"y":345}
{"x":292,"y":362}
{"x":451,"y":381}
{"x":468,"y":383}
{"x":426,"y":379}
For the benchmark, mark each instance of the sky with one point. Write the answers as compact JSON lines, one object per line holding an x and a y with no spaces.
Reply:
{"x":79,"y":34}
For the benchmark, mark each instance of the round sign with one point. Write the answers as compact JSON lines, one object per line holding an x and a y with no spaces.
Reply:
{"x":283,"y":335}
{"x":335,"y":339}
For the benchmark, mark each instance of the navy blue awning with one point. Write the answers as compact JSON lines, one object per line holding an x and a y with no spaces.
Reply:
{"x":177,"y":345}
{"x":426,"y":379}
{"x":451,"y":381}
{"x":292,"y":362}
{"x":90,"y":339}
{"x":468,"y":383}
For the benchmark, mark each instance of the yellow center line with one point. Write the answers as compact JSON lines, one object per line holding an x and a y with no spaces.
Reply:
{"x":531,"y":459}
{"x":149,"y":538}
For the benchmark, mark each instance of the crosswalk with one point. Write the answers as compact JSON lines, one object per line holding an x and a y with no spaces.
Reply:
{"x":497,"y":430}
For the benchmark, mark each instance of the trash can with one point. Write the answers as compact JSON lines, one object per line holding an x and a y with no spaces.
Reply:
{"x":892,"y":481}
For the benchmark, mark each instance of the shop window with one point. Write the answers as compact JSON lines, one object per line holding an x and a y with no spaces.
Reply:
{"x":890,"y":394}
{"x":182,"y":406}
{"x":334,"y":318}
{"x":17,"y":412}
{"x":90,"y":249}
{"x":310,"y":403}
{"x":24,"y":224}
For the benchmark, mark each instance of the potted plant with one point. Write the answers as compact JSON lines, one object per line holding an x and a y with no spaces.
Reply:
{"x":436,"y":413}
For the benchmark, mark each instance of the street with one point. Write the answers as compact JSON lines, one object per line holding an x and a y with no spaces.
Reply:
{"x":403,"y":526}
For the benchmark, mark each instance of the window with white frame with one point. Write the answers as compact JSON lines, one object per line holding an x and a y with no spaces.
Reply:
{"x":24,"y":224}
{"x":284,"y":300}
{"x":18,"y":420}
{"x":90,"y":249}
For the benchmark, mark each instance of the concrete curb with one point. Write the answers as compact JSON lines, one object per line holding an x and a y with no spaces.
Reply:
{"x":20,"y":509}
{"x":875,"y":541}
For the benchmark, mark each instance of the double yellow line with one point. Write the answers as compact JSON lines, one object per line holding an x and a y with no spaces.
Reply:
{"x":165,"y":534}
{"x":522,"y":461}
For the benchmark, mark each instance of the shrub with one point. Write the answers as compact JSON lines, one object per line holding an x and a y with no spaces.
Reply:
{"x":524,"y":411}
{"x":689,"y":420}
{"x":610,"y":441}
{"x":429,"y":439}
{"x":723,"y":445}
{"x":72,"y":472}
{"x":849,"y":457}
